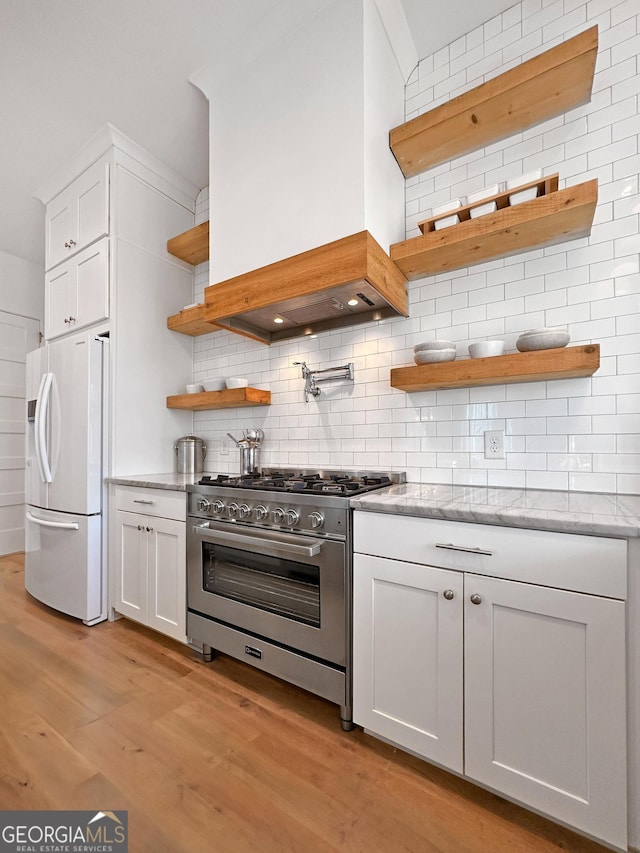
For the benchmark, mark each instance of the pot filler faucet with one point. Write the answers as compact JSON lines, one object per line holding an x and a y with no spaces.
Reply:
{"x":312,"y":377}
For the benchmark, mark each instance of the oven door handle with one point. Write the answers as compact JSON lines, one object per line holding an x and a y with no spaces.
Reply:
{"x":268,"y":542}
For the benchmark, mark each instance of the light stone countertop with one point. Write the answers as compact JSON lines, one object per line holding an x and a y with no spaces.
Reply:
{"x":175,"y":482}
{"x":565,"y":512}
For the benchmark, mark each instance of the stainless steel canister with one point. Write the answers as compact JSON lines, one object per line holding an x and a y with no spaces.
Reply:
{"x":190,"y":454}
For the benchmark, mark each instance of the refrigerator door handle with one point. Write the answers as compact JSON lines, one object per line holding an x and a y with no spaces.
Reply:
{"x":42,"y":406}
{"x":64,"y":525}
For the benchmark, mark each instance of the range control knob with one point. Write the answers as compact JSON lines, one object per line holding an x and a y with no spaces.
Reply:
{"x":260,"y":512}
{"x":316,"y":519}
{"x":291,"y":517}
{"x":244,"y":511}
{"x":232,"y":510}
{"x":217,"y":507}
{"x":204,"y":505}
{"x":278,"y":515}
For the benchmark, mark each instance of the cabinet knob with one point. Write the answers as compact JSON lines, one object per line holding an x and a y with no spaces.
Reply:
{"x":148,"y":529}
{"x":69,"y":244}
{"x":449,"y":594}
{"x":140,"y":527}
{"x":476,"y":599}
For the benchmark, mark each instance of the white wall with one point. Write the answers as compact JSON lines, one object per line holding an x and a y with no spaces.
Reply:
{"x":579,"y":434}
{"x":21,"y":287}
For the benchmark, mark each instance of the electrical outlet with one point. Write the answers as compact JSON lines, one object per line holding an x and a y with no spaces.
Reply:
{"x":224,"y":446}
{"x":493,"y":444}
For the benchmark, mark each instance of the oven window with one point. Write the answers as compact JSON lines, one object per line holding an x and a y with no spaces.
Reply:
{"x":273,"y":584}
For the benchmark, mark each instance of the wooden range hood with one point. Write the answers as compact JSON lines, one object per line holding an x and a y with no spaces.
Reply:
{"x":310,"y":292}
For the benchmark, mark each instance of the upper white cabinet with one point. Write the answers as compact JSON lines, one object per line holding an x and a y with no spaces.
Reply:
{"x":498,"y":653}
{"x":78,"y":216}
{"x":77,"y":292}
{"x":120,"y":205}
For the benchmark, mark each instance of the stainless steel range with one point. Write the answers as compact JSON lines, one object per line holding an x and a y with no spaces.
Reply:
{"x":269,"y":573}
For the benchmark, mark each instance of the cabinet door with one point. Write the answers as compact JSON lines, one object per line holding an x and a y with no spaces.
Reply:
{"x":131,"y":565}
{"x":78,"y":216}
{"x":77,"y":292}
{"x":60,"y":300}
{"x":545,"y":701}
{"x":167,"y":577}
{"x":407,"y":656}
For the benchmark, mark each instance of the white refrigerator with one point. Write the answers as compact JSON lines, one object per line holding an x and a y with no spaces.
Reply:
{"x":65,"y":464}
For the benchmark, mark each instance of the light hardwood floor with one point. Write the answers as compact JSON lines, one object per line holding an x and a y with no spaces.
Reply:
{"x":217,"y":758}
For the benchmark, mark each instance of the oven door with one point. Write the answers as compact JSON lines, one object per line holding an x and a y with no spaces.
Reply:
{"x":284,"y":587}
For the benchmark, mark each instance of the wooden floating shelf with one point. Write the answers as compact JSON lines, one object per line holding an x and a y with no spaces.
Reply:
{"x":554,"y":218}
{"x":192,"y":321}
{"x":560,"y":363}
{"x":192,"y":246}
{"x":229,"y":399}
{"x":539,"y":89}
{"x":543,"y":186}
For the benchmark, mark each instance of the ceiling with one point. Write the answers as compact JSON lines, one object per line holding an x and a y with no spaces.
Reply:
{"x":67,"y":67}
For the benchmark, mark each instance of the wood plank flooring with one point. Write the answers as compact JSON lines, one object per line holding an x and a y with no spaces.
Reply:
{"x":217,"y":758}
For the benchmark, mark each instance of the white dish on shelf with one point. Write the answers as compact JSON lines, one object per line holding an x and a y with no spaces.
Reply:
{"x":194,"y":389}
{"x":431,"y":356}
{"x":447,"y":207}
{"x":486,"y":349}
{"x":434,"y":345}
{"x":525,"y":195}
{"x":218,"y":384}
{"x":236,"y":382}
{"x":536,"y":339}
{"x":482,"y":209}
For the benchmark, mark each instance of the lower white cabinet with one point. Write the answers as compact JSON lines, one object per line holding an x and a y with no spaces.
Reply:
{"x":149,"y":558}
{"x":517,"y":685}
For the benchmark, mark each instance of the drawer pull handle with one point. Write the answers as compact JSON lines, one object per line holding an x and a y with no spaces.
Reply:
{"x":451,"y":547}
{"x":449,"y":594}
{"x":476,"y":599}
{"x":140,"y":501}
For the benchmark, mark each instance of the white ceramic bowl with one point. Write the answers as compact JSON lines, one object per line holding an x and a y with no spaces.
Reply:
{"x":194,"y":389}
{"x":484,"y":349}
{"x":214,"y":384}
{"x":452,"y":204}
{"x":492,"y":189}
{"x":536,"y":339}
{"x":434,"y":345}
{"x":447,"y":222}
{"x":524,"y":195}
{"x":430,"y":356}
{"x":236,"y":382}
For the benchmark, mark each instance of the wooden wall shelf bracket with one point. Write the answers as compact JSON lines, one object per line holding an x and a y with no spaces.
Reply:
{"x":538,"y":366}
{"x":229,"y":399}
{"x":536,"y":90}
{"x":191,"y":246}
{"x":544,"y":221}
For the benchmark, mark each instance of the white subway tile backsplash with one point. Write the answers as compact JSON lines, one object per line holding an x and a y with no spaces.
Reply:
{"x":576,"y":434}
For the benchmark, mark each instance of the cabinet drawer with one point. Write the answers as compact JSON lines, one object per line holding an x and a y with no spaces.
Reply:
{"x":590,"y":564}
{"x":159,"y":502}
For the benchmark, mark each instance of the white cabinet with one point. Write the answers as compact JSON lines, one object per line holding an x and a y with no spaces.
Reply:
{"x":77,"y":216}
{"x":408,"y":656}
{"x":77,"y":292}
{"x":149,"y":558}
{"x":119,"y":280}
{"x":517,"y":684}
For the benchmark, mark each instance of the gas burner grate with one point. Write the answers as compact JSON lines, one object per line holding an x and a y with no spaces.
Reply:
{"x":300,"y":482}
